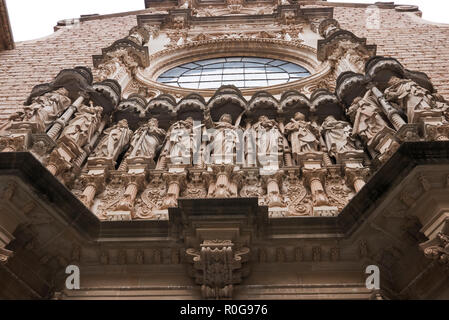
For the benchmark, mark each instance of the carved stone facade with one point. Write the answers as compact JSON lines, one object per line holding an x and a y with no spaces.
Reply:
{"x":235,"y":183}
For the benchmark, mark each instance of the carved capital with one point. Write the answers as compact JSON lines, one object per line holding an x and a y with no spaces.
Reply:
{"x":311,"y":174}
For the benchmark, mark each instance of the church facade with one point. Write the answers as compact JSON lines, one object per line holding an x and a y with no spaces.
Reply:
{"x":227,"y":149}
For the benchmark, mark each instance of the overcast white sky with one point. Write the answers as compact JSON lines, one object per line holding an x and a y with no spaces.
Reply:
{"x":31,"y":19}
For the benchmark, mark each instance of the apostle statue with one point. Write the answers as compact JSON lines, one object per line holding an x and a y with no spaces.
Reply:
{"x":224,"y":138}
{"x":43,"y":110}
{"x":367,"y":117}
{"x":302,"y":135}
{"x":114,"y":141}
{"x":83,"y":126}
{"x":178,"y":147}
{"x":269,"y":139}
{"x":147,"y":140}
{"x":410,"y":97}
{"x":337,"y":136}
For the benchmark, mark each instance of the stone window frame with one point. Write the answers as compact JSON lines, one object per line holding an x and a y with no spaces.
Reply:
{"x":300,"y":54}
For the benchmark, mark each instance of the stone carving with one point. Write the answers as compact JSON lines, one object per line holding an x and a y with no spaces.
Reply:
{"x":252,"y":186}
{"x":5,"y":255}
{"x":337,"y":191}
{"x":269,"y":141}
{"x":149,"y":205}
{"x":411,"y":98}
{"x":224,"y":139}
{"x":114,"y":141}
{"x":110,"y":197}
{"x":195,"y":188}
{"x":179,"y":145}
{"x":42,"y":111}
{"x":367,"y":117}
{"x":438,"y":248}
{"x":302,"y":135}
{"x":82,"y":127}
{"x":224,"y":182}
{"x":298,"y":200}
{"x":338,"y":136}
{"x":146,"y":140}
{"x":217,"y":267}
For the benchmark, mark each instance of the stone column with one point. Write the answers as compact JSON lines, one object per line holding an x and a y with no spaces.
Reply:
{"x":390,"y":112}
{"x":88,"y":148}
{"x":60,"y":123}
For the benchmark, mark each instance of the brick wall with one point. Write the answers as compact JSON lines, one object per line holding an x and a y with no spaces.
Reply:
{"x":418,"y":45}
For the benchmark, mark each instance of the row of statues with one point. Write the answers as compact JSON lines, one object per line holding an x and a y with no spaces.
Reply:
{"x":190,"y":142}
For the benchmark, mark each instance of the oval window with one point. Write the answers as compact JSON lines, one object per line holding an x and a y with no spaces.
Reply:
{"x":242,"y":72}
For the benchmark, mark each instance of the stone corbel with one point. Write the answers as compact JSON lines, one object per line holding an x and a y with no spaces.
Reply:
{"x":274,"y":197}
{"x":175,"y":182}
{"x":217,"y":267}
{"x":314,"y":178}
{"x":94,"y":182}
{"x":223,"y":184}
{"x":134,"y":181}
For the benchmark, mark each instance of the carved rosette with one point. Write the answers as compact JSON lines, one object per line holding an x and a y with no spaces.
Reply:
{"x":217,"y":267}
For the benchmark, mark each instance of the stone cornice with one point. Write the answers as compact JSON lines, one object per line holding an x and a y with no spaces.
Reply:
{"x":6,"y":37}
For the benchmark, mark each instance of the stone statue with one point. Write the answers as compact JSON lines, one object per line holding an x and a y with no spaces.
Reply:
{"x":179,"y":145}
{"x":409,"y":96}
{"x":83,"y":126}
{"x":337,"y":135}
{"x":114,"y":141}
{"x":44,"y":109}
{"x":302,"y":135}
{"x":269,"y":139}
{"x":224,"y":138}
{"x":147,"y":140}
{"x":366,"y":116}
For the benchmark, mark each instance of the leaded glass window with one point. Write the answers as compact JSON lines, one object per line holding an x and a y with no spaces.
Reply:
{"x":242,"y":72}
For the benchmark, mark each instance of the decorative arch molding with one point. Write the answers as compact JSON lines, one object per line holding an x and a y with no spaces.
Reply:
{"x":270,"y":48}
